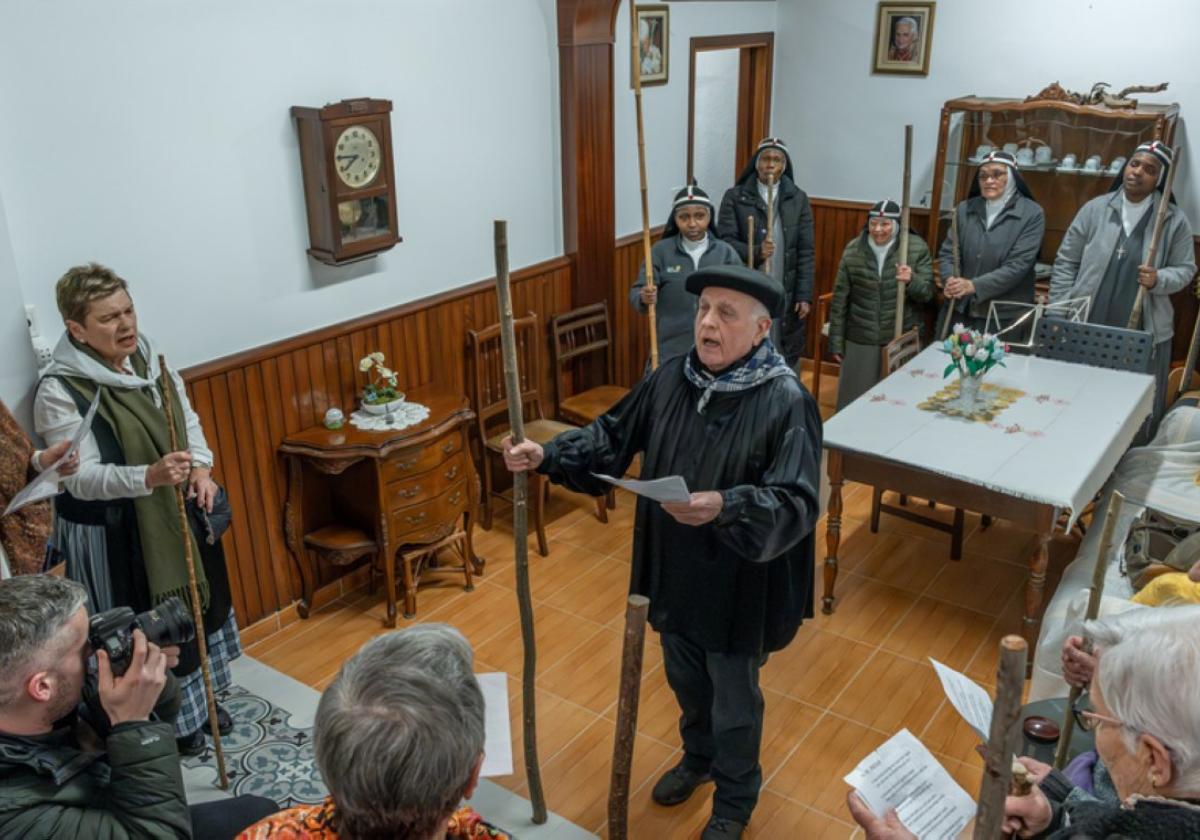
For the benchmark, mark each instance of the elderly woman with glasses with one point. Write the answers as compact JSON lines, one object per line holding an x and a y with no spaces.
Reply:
{"x":1000,"y":228}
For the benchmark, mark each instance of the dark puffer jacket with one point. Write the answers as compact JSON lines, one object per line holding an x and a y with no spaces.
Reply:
{"x":864,"y":303}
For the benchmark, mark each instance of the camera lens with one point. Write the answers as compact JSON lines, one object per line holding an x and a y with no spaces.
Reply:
{"x":167,"y":624}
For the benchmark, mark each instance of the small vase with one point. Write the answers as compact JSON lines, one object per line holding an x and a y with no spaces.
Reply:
{"x":383,"y":408}
{"x":968,"y":401}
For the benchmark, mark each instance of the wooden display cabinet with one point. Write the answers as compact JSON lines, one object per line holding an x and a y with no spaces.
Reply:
{"x":972,"y":121}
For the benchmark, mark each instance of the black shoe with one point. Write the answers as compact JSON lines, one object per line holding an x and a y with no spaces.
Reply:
{"x":677,"y":784}
{"x":193,"y":744}
{"x":224,"y":722}
{"x":719,"y":828}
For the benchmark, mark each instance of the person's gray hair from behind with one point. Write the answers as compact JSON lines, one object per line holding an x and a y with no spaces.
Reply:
{"x":399,"y":733}
{"x":33,"y":611}
{"x":1149,"y":675}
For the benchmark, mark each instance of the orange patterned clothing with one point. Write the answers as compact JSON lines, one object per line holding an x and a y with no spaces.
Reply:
{"x":318,"y":822}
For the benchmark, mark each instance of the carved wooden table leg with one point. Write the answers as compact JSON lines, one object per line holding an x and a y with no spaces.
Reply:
{"x":833,"y":529}
{"x":293,"y":529}
{"x":1036,"y":585}
{"x":477,"y":563}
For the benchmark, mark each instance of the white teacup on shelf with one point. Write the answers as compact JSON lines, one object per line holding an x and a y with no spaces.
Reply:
{"x":1011,"y":148}
{"x":1025,"y":157}
{"x":982,"y":151}
{"x":1043,"y":154}
{"x":1068,"y":162}
{"x":1092,"y":164}
{"x":1118,"y":163}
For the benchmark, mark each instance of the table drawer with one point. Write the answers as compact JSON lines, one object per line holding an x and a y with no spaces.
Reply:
{"x":410,"y":462}
{"x":408,"y":523}
{"x":423,"y":487}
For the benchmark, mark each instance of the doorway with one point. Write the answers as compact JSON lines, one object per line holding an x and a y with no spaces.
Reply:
{"x":729,"y":105}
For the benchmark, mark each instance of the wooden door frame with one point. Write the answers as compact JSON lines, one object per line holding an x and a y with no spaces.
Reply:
{"x":756,"y":56}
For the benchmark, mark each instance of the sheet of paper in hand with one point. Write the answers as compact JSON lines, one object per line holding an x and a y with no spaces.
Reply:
{"x":968,"y":698}
{"x":904,"y":775}
{"x":46,"y":483}
{"x":497,"y":745}
{"x":670,"y":489}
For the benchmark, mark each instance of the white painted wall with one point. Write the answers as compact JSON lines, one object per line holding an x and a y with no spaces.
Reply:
{"x":846,"y":125}
{"x":16,"y":354}
{"x":715,"y":141}
{"x":155,"y":137}
{"x":665,"y":107}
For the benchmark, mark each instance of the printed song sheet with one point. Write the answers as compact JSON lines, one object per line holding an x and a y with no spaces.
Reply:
{"x":904,"y":775}
{"x":497,"y":738}
{"x":670,"y":489}
{"x":46,"y":483}
{"x":968,"y":698}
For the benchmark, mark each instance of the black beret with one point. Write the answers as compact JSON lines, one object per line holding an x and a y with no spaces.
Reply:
{"x":742,"y":279}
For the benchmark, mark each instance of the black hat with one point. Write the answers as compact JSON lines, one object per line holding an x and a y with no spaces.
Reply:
{"x":691,"y":194}
{"x":1013,"y":172}
{"x":740,"y":278}
{"x":764,"y":144}
{"x":886,"y":209}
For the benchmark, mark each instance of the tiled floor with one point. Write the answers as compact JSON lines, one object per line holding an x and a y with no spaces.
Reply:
{"x":846,"y":683}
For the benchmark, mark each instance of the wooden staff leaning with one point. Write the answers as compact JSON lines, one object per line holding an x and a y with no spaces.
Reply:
{"x":902,"y":252}
{"x":956,"y":271}
{"x":635,"y":70}
{"x":1180,"y":379}
{"x":520,"y":493}
{"x":1160,"y":220}
{"x":997,"y":770}
{"x":628,"y":695}
{"x":770,"y":237}
{"x":1111,"y":515}
{"x":167,"y":390}
{"x":750,"y":242}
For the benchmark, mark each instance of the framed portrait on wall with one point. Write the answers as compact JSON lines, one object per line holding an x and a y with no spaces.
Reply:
{"x":653,"y":44}
{"x":903,"y":38}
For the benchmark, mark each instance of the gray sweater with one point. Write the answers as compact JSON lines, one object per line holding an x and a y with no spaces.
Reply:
{"x":1087,"y":248}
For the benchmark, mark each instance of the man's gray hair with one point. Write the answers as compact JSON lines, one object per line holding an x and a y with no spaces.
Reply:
{"x":911,"y":21}
{"x":33,"y":611}
{"x":759,"y":310}
{"x":398,"y":732}
{"x":1148,"y":672}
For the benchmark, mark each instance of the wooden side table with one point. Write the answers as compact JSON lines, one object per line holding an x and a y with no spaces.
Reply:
{"x":396,"y":491}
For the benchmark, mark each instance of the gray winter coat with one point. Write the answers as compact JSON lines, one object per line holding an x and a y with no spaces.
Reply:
{"x":676,"y":308}
{"x":1088,"y":246}
{"x":999,"y":260}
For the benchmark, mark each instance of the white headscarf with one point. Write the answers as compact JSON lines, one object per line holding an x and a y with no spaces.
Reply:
{"x":881,"y":251}
{"x":993,"y":208}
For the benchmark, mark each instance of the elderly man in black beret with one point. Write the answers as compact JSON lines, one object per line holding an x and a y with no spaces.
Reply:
{"x":729,"y":574}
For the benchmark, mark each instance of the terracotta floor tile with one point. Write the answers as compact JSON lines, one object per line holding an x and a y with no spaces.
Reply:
{"x":1002,"y":541}
{"x":785,"y":722}
{"x":891,"y":693}
{"x":856,"y":501}
{"x":982,"y":667}
{"x":487,"y":611}
{"x":941,"y":513}
{"x":855,"y":543}
{"x":968,"y":776}
{"x":590,"y":675}
{"x":943,"y":631}
{"x":589,"y":532}
{"x":556,"y":634}
{"x":947,"y":733}
{"x":815,"y":667}
{"x":547,"y":575}
{"x":866,"y":610}
{"x":813,"y":773}
{"x":777,"y":817}
{"x":576,"y":780}
{"x":648,"y":821}
{"x":906,"y":562}
{"x":558,"y":722}
{"x":598,"y":593}
{"x":977,"y":582}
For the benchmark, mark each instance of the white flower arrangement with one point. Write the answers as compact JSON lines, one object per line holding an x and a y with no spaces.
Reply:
{"x":381,"y":380}
{"x":972,"y":353}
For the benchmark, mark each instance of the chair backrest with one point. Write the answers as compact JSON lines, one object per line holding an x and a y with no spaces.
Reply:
{"x":489,"y":394}
{"x":580,"y":332}
{"x":1094,"y":344}
{"x":897,"y":353}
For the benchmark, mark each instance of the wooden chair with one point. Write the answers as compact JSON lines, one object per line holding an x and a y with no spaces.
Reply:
{"x":824,"y":304}
{"x":583,"y":332}
{"x":490,"y":399}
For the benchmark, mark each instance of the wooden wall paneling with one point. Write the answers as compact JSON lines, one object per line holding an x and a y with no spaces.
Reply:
{"x":275,"y":470}
{"x":247,"y":413}
{"x":304,"y":391}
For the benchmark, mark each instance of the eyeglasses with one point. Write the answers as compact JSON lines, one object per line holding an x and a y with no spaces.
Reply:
{"x":1086,"y":719}
{"x":1000,"y":175}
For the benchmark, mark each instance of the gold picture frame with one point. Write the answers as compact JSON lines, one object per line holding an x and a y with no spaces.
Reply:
{"x":654,"y":48}
{"x":903,"y":38}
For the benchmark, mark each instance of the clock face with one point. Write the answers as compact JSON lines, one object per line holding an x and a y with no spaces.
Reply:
{"x":356,"y":156}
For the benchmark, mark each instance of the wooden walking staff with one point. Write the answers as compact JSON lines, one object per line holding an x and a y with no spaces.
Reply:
{"x":636,"y":73}
{"x":193,"y":590}
{"x":1180,"y":379}
{"x":627,"y":710}
{"x":1111,"y":515}
{"x":956,"y":269}
{"x":770,"y":237}
{"x":750,"y":242}
{"x":1135,"y":317}
{"x":902,"y":255}
{"x":997,"y":770}
{"x":516,"y":424}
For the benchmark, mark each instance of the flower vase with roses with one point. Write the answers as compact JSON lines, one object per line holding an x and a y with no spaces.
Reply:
{"x":972,"y":353}
{"x":380,"y":395}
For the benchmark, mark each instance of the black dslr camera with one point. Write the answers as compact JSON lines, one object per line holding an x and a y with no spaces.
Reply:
{"x":112,"y":630}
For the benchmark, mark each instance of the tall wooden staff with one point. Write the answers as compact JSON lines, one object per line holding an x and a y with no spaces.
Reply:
{"x":956,"y":271}
{"x":1115,"y":503}
{"x":516,"y":424}
{"x":627,"y":710}
{"x":1135,"y":317}
{"x":636,"y":71}
{"x":997,"y":771}
{"x":770,"y":237}
{"x":902,"y":256}
{"x":193,"y":590}
{"x":1188,"y":370}
{"x":750,"y":241}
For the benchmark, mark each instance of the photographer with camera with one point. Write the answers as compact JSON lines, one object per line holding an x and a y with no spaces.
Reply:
{"x":85,"y":755}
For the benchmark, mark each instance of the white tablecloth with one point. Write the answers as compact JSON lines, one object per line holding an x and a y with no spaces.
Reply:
{"x":1055,"y":445}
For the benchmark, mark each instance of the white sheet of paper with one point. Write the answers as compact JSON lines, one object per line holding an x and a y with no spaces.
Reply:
{"x":969,"y":698}
{"x":45,"y":484}
{"x":497,"y":737}
{"x":670,"y":489}
{"x":904,"y":775}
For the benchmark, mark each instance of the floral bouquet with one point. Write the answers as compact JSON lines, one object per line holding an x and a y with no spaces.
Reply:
{"x":972,"y":353}
{"x":381,"y":381}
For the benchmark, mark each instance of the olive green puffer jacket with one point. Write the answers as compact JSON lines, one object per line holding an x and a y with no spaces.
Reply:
{"x":864,"y":303}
